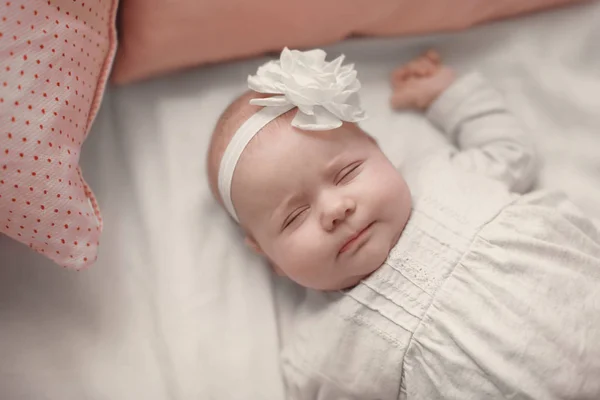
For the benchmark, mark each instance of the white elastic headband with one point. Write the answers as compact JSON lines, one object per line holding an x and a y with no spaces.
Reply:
{"x":238,"y":143}
{"x":325,"y":93}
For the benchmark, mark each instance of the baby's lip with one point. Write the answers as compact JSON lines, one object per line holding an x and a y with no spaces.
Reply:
{"x":354,"y":238}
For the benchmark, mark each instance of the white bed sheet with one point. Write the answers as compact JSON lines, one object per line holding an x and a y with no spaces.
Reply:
{"x":176,"y":308}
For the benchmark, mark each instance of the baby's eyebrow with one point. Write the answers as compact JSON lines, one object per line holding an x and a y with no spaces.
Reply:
{"x":332,"y":166}
{"x":284,"y":205}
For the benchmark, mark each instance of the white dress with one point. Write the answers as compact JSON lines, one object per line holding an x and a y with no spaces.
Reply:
{"x":487,"y":295}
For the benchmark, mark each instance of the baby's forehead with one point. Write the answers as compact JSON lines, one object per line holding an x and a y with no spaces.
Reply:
{"x":283,"y":155}
{"x":280,"y":136}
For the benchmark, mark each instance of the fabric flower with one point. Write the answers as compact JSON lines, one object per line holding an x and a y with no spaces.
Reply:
{"x":326,"y":93}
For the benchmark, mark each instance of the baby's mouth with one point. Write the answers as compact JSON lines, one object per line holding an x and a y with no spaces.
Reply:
{"x":356,"y":239}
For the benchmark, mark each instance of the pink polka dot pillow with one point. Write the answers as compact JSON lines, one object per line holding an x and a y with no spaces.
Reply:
{"x":55,"y":57}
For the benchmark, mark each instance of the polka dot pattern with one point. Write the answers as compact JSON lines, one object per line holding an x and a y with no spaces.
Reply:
{"x":55,"y":58}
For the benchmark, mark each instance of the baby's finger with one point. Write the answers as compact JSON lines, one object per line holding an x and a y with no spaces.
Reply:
{"x":413,"y":65}
{"x":402,"y":99}
{"x":430,"y":68}
{"x":422,"y":67}
{"x":433,"y":56}
{"x":405,"y":72}
{"x":400,"y":74}
{"x":402,"y":85}
{"x":398,"y":84}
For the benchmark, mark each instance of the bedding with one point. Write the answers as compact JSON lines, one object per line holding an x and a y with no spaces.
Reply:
{"x":55,"y":57}
{"x":176,"y":307}
{"x":159,"y":36}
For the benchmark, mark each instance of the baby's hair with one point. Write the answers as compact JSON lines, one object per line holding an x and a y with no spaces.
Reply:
{"x":229,"y":122}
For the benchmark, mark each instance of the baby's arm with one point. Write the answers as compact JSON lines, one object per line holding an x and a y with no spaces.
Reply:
{"x":475,"y":118}
{"x":491,"y":139}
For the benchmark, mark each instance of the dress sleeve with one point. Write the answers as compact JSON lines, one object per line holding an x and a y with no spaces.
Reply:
{"x":488,"y":139}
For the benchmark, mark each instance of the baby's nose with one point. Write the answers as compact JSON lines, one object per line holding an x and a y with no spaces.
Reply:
{"x":336,"y":212}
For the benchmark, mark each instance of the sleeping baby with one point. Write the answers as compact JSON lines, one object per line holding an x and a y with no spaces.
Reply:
{"x":440,"y":281}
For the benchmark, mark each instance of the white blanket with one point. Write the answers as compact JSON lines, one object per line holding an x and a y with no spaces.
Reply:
{"x":176,"y":308}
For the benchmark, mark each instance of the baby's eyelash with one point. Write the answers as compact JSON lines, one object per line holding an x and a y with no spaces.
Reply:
{"x":289,"y":220}
{"x":347,"y":171}
{"x":292,"y":217}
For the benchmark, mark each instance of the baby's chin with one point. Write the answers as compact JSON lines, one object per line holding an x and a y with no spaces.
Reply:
{"x":352,"y":275}
{"x":353,"y":280}
{"x":361,"y":269}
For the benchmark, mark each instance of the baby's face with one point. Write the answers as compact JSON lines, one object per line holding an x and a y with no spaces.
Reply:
{"x":324,"y":207}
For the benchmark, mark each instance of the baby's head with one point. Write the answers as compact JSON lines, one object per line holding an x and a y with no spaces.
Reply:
{"x":325,"y":207}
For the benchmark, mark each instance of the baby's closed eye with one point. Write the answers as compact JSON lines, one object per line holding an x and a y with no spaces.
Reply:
{"x":348,"y":173}
{"x":295,"y":216}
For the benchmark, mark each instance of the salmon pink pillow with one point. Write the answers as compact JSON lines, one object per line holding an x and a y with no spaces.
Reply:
{"x":54,"y":60}
{"x":158,"y":36}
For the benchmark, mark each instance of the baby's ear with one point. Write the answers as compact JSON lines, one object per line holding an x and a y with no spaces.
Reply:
{"x":277,"y":270}
{"x":254,"y":246}
{"x":373,"y":140}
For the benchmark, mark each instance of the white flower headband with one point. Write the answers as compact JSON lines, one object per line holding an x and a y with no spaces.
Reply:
{"x":325,"y":93}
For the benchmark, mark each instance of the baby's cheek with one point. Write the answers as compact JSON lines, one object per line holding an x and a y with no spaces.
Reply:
{"x":394,"y":187}
{"x":286,"y":252}
{"x":381,"y":187}
{"x":300,"y":256}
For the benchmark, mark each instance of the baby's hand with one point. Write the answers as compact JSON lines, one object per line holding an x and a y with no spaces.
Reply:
{"x":418,"y":83}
